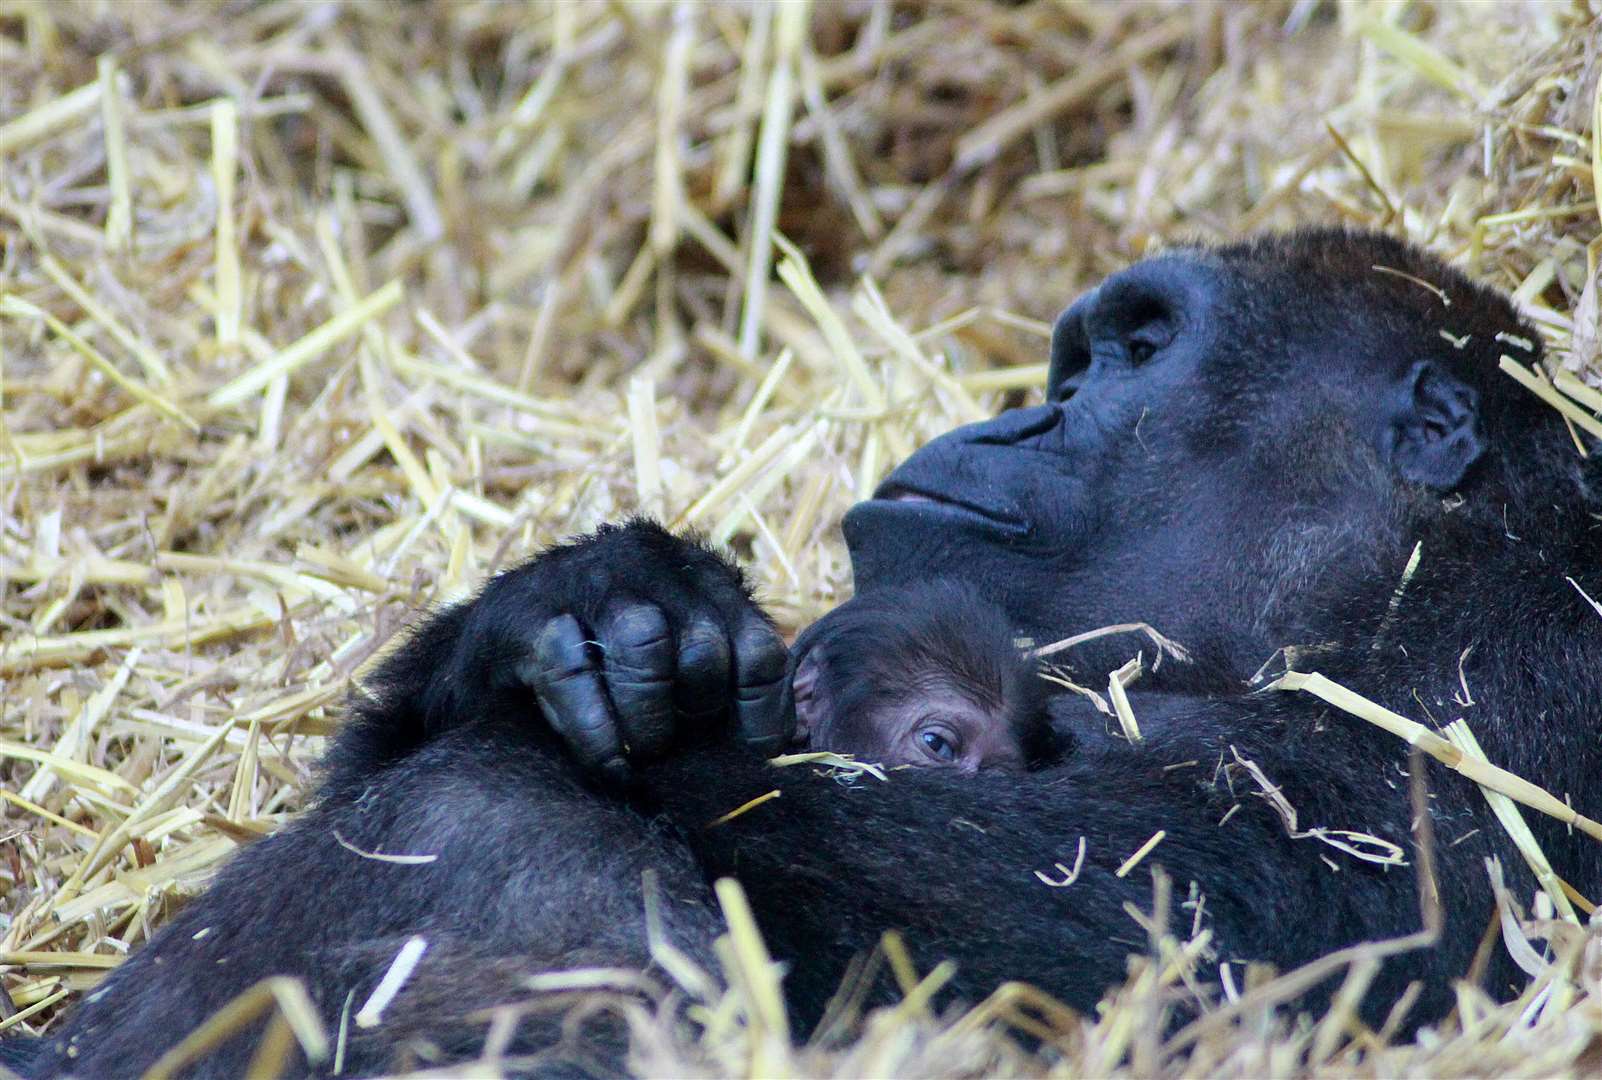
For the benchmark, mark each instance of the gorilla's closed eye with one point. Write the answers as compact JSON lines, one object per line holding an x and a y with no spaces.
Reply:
{"x":1154,"y":332}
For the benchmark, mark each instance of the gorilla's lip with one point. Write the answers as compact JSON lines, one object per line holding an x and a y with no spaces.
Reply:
{"x":922,"y":498}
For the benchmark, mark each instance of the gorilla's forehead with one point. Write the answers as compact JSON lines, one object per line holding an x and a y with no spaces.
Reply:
{"x":1331,"y":299}
{"x":1394,"y":276}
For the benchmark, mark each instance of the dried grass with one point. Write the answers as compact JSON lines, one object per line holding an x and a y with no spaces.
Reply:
{"x":310,"y":315}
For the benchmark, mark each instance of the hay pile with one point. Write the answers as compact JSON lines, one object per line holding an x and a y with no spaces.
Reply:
{"x":311,"y":314}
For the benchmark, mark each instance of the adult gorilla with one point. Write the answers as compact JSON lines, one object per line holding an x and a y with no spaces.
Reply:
{"x":1242,"y":447}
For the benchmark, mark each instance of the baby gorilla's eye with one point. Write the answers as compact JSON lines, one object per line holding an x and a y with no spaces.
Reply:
{"x":937,"y":745}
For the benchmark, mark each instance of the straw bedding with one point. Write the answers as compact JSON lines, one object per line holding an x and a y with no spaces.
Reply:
{"x":311,"y":315}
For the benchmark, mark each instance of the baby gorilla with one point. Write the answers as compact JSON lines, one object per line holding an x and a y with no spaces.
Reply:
{"x":925,"y":674}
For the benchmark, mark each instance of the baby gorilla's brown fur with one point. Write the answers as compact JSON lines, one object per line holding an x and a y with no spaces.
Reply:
{"x":926,"y":674}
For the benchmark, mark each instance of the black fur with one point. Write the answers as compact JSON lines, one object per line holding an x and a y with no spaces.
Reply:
{"x":1229,"y":454}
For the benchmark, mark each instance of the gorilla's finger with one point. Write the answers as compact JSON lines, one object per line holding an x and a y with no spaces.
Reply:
{"x":701,"y":685}
{"x":639,"y":660}
{"x":566,"y":680}
{"x":764,"y":712}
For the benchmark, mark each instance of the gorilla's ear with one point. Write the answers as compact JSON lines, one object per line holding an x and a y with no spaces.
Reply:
{"x":810,"y":705}
{"x":1434,"y":434}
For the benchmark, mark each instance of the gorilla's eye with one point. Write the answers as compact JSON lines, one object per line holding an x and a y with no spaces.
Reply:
{"x":1143,"y":343}
{"x":937,"y":745}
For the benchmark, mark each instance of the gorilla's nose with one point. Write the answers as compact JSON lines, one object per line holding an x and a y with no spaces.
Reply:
{"x":1070,"y":348}
{"x":1015,"y":427}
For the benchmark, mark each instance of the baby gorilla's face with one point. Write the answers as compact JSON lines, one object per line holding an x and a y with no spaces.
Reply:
{"x":919,"y":675}
{"x":940,"y":723}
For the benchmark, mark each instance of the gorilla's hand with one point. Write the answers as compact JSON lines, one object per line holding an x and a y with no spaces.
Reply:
{"x":627,"y":642}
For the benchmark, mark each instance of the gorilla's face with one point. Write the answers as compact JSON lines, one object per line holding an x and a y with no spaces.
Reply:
{"x":1231,"y":436}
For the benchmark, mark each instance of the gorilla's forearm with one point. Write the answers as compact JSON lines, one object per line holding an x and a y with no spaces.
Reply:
{"x":499,"y":859}
{"x":507,"y":854}
{"x":399,"y":709}
{"x":951,"y":862}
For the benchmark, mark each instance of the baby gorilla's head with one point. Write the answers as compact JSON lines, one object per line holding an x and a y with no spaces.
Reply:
{"x":925,"y":674}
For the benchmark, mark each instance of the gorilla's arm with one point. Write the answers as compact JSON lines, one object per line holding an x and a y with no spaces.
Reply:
{"x":502,"y":861}
{"x":460,"y":804}
{"x":951,"y":860}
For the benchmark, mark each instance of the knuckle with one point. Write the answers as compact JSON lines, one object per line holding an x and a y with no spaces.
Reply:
{"x":593,"y":723}
{"x":638,"y":628}
{"x":763,"y":657}
{"x":560,"y":648}
{"x":752,"y":693}
{"x":702,"y":645}
{"x":639,"y":694}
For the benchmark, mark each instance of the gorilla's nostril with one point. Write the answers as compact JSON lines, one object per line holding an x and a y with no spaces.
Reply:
{"x":1064,"y":389}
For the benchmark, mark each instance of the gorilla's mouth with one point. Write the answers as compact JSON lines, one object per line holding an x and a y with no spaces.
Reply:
{"x":893,"y":492}
{"x":905,"y":496}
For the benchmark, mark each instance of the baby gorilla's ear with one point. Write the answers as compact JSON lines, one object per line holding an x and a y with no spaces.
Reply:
{"x":806,"y":687}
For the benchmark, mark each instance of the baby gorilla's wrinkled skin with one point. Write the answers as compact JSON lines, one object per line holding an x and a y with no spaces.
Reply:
{"x":924,"y":675}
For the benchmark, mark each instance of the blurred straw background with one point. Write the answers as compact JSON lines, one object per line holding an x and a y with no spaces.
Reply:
{"x":312,"y":314}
